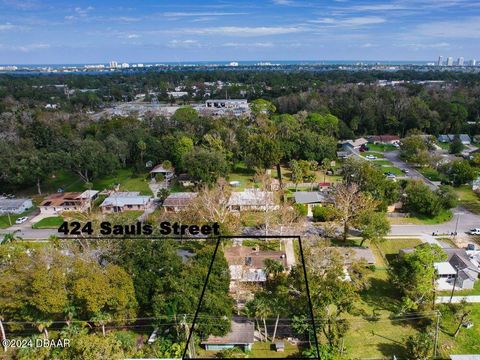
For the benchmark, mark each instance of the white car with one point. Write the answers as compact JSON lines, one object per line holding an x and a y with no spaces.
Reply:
{"x":371,"y":157}
{"x":21,"y":220}
{"x":475,"y":231}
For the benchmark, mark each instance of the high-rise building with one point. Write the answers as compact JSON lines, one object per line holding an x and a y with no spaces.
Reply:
{"x":113,"y":64}
{"x":450,"y":61}
{"x":440,"y":61}
{"x":473,"y":62}
{"x":460,"y":61}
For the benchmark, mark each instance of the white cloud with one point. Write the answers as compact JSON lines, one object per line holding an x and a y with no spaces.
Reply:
{"x":256,"y":44}
{"x":242,"y":31}
{"x":283,"y":2}
{"x":379,"y":7}
{"x":350,"y":22}
{"x":199,"y":14}
{"x":6,"y":27}
{"x":183,"y":44}
{"x":418,"y":46}
{"x":368,"y":45}
{"x":133,"y":36}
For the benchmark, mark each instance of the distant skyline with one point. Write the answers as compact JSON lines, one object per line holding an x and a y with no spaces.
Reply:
{"x":76,"y":32}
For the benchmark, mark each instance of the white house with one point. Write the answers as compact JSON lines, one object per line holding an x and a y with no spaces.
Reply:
{"x":252,"y":200}
{"x":125,"y":201}
{"x":14,"y":206}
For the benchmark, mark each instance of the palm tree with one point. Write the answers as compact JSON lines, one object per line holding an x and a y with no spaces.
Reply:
{"x":11,"y":237}
{"x":142,"y":146}
{"x":263,"y":311}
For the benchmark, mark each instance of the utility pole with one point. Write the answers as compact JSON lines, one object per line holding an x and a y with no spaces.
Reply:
{"x":436,"y":336}
{"x":454,"y":284}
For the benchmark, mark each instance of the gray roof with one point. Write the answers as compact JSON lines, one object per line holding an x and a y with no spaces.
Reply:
{"x":126,"y":198}
{"x":241,"y":333}
{"x":7,"y":204}
{"x":251,"y":197}
{"x":354,"y":253}
{"x":465,"y":357}
{"x":310,"y":197}
{"x":450,"y":137}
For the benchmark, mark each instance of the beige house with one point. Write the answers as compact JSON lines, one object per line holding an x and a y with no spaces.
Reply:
{"x":68,"y":201}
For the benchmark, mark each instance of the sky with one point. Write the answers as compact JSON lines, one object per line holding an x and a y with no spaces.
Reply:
{"x":88,"y":31}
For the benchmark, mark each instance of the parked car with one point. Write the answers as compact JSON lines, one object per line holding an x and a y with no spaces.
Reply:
{"x":21,"y":220}
{"x":405,"y":171}
{"x":471,"y":247}
{"x":391,"y":176}
{"x":475,"y":231}
{"x":370,"y":157}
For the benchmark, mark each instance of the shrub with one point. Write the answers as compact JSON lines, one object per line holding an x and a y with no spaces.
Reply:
{"x":323,"y":213}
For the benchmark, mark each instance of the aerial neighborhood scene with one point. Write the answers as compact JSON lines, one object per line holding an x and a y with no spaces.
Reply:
{"x":197,"y":180}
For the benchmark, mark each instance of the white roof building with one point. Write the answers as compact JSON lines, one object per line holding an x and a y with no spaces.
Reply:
{"x":444,"y":268}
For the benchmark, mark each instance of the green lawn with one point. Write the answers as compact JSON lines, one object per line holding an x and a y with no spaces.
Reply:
{"x":383,"y":163}
{"x":430,"y":173}
{"x":52,"y":222}
{"x":127,"y":180}
{"x":381,"y":147}
{"x":393,"y":246}
{"x":4,"y":223}
{"x":376,"y":154}
{"x":474,"y":291}
{"x":377,"y":339}
{"x":443,"y":216}
{"x":245,"y":176}
{"x":467,"y":341}
{"x":468,"y":198}
{"x":392,"y":169}
{"x":265,"y":350}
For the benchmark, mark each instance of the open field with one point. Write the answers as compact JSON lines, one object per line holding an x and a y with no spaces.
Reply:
{"x":127,"y":180}
{"x":393,"y":246}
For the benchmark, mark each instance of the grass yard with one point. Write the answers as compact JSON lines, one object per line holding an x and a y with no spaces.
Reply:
{"x":384,"y":337}
{"x":127,"y":180}
{"x":392,"y":169}
{"x":468,"y":198}
{"x":4,"y":222}
{"x":467,"y":341}
{"x":443,"y":216}
{"x":393,"y":246}
{"x":244,"y":176}
{"x":381,"y":147}
{"x":266,"y":350}
{"x":474,"y":291}
{"x":430,"y":173}
{"x":376,"y":154}
{"x":52,"y":222}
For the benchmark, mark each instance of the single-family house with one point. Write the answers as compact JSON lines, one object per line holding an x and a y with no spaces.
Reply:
{"x":176,"y":202}
{"x":248,"y":265}
{"x":125,"y":201}
{"x":464,"y":265}
{"x":384,"y":139}
{"x":342,"y":154}
{"x":68,"y":201}
{"x":252,"y":200}
{"x":311,"y":199}
{"x":241,"y":335}
{"x":160,"y":169}
{"x":355,"y":144}
{"x":447,"y":138}
{"x":14,"y":206}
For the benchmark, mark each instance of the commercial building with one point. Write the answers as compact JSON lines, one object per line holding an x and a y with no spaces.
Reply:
{"x":227,"y":104}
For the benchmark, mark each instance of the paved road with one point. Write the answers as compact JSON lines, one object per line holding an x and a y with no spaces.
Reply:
{"x":466,"y":221}
{"x":394,"y":157}
{"x":458,"y":299}
{"x":30,"y":234}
